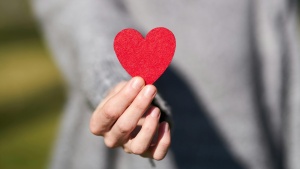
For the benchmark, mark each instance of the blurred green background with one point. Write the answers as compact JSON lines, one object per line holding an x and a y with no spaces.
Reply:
{"x":31,"y":90}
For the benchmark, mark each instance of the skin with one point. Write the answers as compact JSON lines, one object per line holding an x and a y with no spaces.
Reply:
{"x":126,"y":118}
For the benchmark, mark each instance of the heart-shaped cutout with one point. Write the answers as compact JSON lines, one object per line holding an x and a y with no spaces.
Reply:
{"x":145,"y":57}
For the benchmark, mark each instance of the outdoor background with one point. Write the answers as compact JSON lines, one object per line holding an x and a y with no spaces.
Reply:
{"x":31,"y":90}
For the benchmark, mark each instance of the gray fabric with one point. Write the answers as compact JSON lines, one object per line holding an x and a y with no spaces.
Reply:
{"x":233,"y":86}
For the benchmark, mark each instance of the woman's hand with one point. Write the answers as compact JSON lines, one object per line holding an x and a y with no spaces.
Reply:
{"x":126,"y":118}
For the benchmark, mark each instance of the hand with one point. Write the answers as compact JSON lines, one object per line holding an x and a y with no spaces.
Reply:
{"x":126,"y":118}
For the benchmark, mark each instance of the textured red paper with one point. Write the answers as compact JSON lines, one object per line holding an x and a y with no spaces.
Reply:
{"x":146,"y":57}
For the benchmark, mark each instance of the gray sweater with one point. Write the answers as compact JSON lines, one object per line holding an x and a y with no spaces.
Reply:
{"x":233,"y":86}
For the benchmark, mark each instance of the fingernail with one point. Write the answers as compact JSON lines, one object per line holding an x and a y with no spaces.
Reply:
{"x":155,"y":112}
{"x":137,"y":83}
{"x":149,"y":91}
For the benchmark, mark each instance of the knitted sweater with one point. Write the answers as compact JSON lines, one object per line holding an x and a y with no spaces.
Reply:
{"x":233,"y":86}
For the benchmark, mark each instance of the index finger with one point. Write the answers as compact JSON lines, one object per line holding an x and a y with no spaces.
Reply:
{"x":113,"y":108}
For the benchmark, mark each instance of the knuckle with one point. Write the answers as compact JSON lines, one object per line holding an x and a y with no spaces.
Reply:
{"x":109,"y":112}
{"x":159,"y":157}
{"x":110,"y":143}
{"x":148,"y":129}
{"x":94,"y":126}
{"x":138,"y":150}
{"x":95,"y":129}
{"x":127,"y":150}
{"x":124,"y":128}
{"x":140,"y":104}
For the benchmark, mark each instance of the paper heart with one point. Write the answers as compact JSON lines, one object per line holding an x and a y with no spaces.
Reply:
{"x":146,"y":57}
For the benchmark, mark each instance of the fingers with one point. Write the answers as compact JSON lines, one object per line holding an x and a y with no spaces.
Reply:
{"x":122,"y":121}
{"x":142,"y":144}
{"x":143,"y":139}
{"x":164,"y":140}
{"x":129,"y":119}
{"x":113,"y":106}
{"x":159,"y":150}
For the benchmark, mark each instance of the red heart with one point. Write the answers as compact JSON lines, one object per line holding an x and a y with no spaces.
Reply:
{"x":146,"y":57}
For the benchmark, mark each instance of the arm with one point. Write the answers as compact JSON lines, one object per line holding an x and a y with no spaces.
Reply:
{"x":81,"y":34}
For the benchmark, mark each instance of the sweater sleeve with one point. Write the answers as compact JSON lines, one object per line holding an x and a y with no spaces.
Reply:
{"x":291,"y":113}
{"x":80,"y":34}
